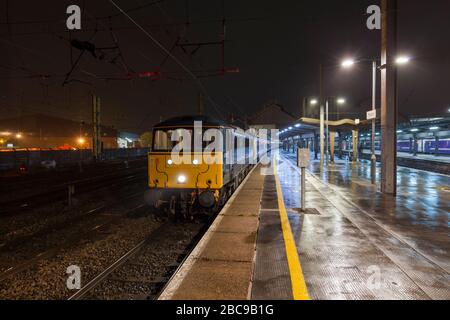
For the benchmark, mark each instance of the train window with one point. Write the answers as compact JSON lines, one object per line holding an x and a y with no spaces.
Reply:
{"x":163,"y":140}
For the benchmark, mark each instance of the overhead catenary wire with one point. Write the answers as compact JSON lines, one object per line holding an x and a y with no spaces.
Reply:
{"x":175,"y":59}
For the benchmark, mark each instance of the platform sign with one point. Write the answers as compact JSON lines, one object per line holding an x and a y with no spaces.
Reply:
{"x":303,"y":156}
{"x":372,"y":114}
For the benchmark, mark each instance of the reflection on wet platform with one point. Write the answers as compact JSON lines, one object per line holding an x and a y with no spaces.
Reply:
{"x":360,"y":230}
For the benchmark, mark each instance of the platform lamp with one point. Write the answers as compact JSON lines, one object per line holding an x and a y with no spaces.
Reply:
{"x":348,"y":63}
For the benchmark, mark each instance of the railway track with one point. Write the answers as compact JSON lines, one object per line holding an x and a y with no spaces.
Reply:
{"x":59,"y":193}
{"x":130,"y":278}
{"x":90,"y":229}
{"x":61,"y":176}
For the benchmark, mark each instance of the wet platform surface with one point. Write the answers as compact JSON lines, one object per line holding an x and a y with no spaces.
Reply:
{"x":406,"y":238}
{"x":360,"y":244}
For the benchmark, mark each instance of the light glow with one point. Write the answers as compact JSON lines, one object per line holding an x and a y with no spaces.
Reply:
{"x":402,"y":60}
{"x":169,"y":162}
{"x":348,"y":63}
{"x":181,"y":179}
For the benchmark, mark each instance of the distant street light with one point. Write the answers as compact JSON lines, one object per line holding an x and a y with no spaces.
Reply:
{"x":340,"y":101}
{"x":314,"y":102}
{"x":18,"y":136}
{"x":81,"y":141}
{"x":348,"y":63}
{"x":402,"y":60}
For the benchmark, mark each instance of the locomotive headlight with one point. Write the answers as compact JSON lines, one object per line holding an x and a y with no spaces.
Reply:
{"x":195,"y":162}
{"x":181,"y":178}
{"x":169,"y":162}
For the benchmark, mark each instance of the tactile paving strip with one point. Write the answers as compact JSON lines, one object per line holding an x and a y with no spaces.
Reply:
{"x":271,"y":278}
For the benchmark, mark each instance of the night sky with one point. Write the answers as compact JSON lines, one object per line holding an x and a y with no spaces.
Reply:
{"x":277,"y":45}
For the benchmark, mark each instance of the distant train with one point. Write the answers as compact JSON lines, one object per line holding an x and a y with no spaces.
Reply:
{"x":426,"y":146}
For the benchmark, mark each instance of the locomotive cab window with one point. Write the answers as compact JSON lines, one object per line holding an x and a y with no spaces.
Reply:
{"x":163,"y":139}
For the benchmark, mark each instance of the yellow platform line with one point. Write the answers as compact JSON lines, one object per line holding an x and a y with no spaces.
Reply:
{"x":299,"y":289}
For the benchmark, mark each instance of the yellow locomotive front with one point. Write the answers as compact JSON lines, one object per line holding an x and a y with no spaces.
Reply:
{"x":192,"y":173}
{"x":191,"y":181}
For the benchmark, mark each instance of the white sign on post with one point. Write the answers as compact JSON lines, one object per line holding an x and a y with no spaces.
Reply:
{"x":372,"y":114}
{"x":303,"y":156}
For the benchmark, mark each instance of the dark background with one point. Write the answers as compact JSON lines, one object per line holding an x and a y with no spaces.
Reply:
{"x":277,"y":45}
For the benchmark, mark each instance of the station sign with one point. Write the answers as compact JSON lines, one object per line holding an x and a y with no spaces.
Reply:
{"x":372,"y":114}
{"x":303,"y":156}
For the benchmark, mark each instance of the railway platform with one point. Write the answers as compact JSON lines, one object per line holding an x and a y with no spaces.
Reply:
{"x":352,"y":243}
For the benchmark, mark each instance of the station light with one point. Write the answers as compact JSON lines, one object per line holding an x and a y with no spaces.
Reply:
{"x":402,"y":60}
{"x":18,"y":136}
{"x":434,"y":128}
{"x":195,"y":162}
{"x":297,"y":125}
{"x":181,"y":178}
{"x":313,"y":102}
{"x":399,"y":131}
{"x":340,"y":101}
{"x":348,"y":63}
{"x":377,"y":134}
{"x":169,"y":162}
{"x":290,"y":128}
{"x":414,"y":130}
{"x":80,"y":140}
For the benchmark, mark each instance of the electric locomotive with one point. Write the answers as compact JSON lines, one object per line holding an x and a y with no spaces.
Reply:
{"x":203,"y":184}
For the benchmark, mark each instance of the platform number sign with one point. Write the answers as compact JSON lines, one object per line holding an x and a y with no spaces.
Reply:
{"x":303,"y":157}
{"x":372,"y":114}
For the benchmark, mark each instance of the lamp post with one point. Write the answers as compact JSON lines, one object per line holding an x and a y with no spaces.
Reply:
{"x":81,"y":142}
{"x":400,"y":60}
{"x":338,"y":101}
{"x":373,"y":157}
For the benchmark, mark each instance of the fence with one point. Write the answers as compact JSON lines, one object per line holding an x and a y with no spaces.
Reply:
{"x":13,"y":159}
